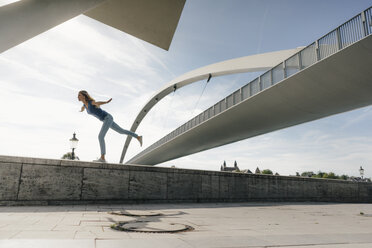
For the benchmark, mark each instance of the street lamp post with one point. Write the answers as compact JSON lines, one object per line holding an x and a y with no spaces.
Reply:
{"x":361,"y":171}
{"x":73,"y":144}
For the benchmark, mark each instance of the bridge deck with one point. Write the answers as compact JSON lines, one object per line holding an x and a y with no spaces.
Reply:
{"x":336,"y":84}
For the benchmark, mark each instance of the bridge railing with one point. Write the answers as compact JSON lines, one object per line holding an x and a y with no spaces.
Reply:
{"x":345,"y":35}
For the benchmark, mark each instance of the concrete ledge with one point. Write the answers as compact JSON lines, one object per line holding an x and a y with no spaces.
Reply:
{"x":33,"y":181}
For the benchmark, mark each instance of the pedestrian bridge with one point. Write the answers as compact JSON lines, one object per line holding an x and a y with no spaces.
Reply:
{"x":330,"y":76}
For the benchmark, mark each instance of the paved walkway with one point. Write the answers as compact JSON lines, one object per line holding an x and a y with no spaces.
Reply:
{"x":215,"y":225}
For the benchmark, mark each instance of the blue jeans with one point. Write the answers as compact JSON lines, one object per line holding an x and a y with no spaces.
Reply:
{"x":108,"y":122}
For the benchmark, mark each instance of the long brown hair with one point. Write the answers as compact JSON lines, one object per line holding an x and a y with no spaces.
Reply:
{"x":86,"y":95}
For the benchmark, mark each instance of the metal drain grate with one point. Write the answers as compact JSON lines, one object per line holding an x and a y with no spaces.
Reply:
{"x":136,"y":213}
{"x":151,"y":227}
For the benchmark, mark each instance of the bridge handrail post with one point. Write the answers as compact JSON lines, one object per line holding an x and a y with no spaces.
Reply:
{"x":317,"y":52}
{"x":250,"y":90}
{"x":260,"y":86}
{"x":241,"y":94}
{"x":338,"y":39}
{"x":299,"y":61}
{"x":271,"y":77}
{"x":364,"y":23}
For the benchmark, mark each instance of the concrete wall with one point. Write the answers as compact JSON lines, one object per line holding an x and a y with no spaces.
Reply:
{"x":30,"y":181}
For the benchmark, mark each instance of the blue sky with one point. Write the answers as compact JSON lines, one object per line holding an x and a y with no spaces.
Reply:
{"x":40,"y":78}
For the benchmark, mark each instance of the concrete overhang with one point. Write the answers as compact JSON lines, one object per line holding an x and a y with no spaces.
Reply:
{"x":148,"y":20}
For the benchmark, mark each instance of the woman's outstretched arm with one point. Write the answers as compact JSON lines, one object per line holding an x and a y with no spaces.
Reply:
{"x":101,"y":103}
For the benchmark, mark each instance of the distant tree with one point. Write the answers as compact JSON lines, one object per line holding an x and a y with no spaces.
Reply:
{"x":344,"y":177}
{"x":319,"y":175}
{"x":332,"y":175}
{"x":325,"y":175}
{"x":267,"y":172}
{"x":69,"y":156}
{"x":307,"y":174}
{"x":329,"y":175}
{"x":297,"y":174}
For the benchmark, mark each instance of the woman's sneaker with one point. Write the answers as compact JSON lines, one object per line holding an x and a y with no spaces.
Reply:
{"x":100,"y":160}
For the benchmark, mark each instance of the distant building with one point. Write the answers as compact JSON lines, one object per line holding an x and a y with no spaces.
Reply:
{"x":257,"y":171}
{"x":359,"y":179}
{"x":225,"y":168}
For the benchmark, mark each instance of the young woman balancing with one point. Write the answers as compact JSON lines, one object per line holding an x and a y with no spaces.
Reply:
{"x":93,"y":108}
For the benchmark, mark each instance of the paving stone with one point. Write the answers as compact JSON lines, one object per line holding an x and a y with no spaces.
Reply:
{"x":216,"y":225}
{"x":143,"y":243}
{"x":7,"y":234}
{"x":47,"y":243}
{"x":44,"y":235}
{"x":369,"y":245}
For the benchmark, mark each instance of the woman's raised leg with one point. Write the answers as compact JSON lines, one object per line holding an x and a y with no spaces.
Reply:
{"x":120,"y":130}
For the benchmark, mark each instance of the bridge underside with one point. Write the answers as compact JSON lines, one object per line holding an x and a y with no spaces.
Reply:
{"x":151,"y":21}
{"x":336,"y":84}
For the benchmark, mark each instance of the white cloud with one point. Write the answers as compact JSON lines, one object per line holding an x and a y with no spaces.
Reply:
{"x":365,"y":114}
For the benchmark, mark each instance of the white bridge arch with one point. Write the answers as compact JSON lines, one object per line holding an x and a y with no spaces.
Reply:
{"x":253,"y":63}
